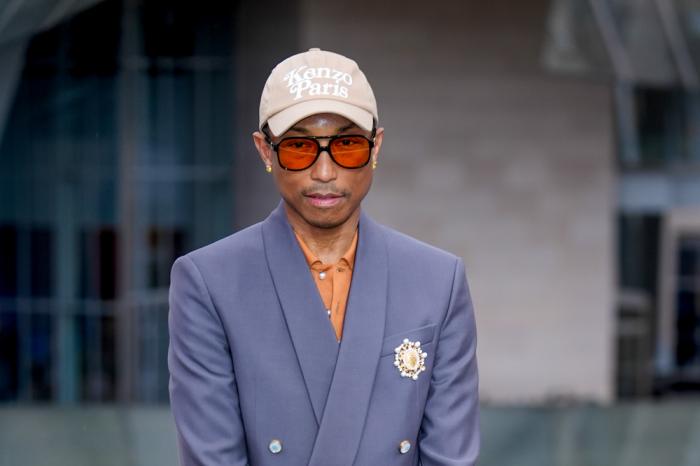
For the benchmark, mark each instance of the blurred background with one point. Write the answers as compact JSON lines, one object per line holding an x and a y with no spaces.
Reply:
{"x":554,"y":145}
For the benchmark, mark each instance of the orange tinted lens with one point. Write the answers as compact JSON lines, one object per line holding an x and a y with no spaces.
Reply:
{"x":297,"y":153}
{"x":351,"y":151}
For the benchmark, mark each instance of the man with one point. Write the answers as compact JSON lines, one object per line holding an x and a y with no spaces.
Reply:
{"x":318,"y":336}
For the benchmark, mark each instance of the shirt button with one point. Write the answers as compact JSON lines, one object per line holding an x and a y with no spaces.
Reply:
{"x":404,"y":447}
{"x":275,"y":446}
{"x":329,"y":312}
{"x":322,"y":275}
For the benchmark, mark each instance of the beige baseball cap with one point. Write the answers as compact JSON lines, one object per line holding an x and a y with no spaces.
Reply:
{"x":317,"y":81}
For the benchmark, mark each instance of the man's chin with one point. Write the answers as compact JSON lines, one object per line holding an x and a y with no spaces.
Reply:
{"x":325,"y":221}
{"x":323,"y":218}
{"x":326,"y":218}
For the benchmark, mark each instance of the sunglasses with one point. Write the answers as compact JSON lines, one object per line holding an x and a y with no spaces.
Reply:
{"x":298,"y":153}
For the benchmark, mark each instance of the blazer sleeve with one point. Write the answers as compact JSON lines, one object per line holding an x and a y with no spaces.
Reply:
{"x":449,"y":433}
{"x":203,"y":392}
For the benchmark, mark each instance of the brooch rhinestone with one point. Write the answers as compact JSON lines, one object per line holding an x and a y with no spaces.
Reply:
{"x":409,"y":358}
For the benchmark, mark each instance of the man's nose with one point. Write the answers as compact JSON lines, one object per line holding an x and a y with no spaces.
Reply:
{"x":324,"y":169}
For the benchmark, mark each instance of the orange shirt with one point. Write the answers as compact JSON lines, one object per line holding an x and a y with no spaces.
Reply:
{"x":332,"y":281}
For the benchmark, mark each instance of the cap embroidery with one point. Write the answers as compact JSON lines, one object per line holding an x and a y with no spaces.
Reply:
{"x":301,"y":80}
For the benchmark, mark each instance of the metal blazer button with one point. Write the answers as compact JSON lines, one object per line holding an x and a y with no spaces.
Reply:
{"x":404,"y":447}
{"x":275,"y":446}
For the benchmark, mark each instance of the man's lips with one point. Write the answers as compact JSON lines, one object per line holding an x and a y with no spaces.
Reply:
{"x":323,"y":199}
{"x":323,"y":195}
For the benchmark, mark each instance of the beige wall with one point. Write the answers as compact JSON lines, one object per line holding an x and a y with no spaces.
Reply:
{"x":492,"y":158}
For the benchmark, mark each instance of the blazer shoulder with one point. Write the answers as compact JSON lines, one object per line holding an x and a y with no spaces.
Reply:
{"x":401,"y":245}
{"x":241,"y":245}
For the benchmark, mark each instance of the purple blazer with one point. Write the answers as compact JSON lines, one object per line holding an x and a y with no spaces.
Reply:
{"x":258,"y":378}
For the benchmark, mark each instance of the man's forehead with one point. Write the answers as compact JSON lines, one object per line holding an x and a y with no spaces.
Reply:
{"x":324,"y":120}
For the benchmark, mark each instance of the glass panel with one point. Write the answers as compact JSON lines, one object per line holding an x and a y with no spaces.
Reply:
{"x":688,"y":307}
{"x":660,"y":119}
{"x":658,"y":129}
{"x":638,"y":239}
{"x":116,"y":159}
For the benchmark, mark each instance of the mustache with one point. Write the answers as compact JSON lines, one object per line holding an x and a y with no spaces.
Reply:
{"x":324,"y":189}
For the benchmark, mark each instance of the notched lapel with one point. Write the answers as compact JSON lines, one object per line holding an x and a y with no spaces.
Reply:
{"x":343,"y":420}
{"x":312,"y":335}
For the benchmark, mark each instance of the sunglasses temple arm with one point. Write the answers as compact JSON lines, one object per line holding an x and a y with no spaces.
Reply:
{"x":268,"y":139}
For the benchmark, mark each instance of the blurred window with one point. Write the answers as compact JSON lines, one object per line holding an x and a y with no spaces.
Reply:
{"x":659,"y":128}
{"x":116,"y":158}
{"x":638,"y":248}
{"x":659,"y":174}
{"x":688,"y":306}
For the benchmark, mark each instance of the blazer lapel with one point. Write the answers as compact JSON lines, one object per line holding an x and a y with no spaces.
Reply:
{"x":343,"y":420}
{"x":312,"y":334}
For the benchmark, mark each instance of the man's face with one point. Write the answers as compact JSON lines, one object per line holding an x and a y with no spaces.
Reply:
{"x":325,"y":195}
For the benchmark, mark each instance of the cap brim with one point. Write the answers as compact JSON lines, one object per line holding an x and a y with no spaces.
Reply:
{"x":282,"y":121}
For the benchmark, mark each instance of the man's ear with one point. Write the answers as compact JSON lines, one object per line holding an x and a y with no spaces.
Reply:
{"x":263,"y":148}
{"x":378,"y":138}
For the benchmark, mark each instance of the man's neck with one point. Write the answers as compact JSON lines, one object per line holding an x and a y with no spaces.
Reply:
{"x":327,"y":244}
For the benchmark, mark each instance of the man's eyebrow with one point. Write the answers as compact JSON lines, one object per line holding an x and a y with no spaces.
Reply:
{"x":299,"y":129}
{"x":350,"y":126}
